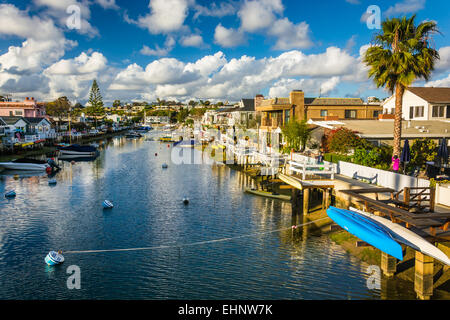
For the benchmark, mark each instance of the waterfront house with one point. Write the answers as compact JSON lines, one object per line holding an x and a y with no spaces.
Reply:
{"x":16,"y":124}
{"x":382,"y":132}
{"x":157,"y":119}
{"x":39,"y":126}
{"x":27,"y":108}
{"x":276,"y":112}
{"x":422,"y":103}
{"x":244,"y":114}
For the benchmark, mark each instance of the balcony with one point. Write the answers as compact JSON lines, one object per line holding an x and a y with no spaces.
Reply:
{"x":271,"y":123}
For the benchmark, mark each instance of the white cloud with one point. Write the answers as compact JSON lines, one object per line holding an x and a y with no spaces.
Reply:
{"x":283,"y":87}
{"x":82,"y":64}
{"x":224,"y":9}
{"x":57,"y":10}
{"x":290,"y":35}
{"x":406,"y":6}
{"x":193,"y":40}
{"x":158,"y":51}
{"x":443,"y":64}
{"x":259,"y":14}
{"x":228,"y":37}
{"x":165,"y":16}
{"x":108,"y":4}
{"x":445,"y":82}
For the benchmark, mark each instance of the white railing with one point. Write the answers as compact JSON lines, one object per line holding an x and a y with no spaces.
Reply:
{"x":380,"y":177}
{"x":304,"y":169}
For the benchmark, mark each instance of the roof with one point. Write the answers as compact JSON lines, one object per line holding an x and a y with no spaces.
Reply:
{"x":249,"y":105}
{"x":35,"y":120}
{"x":2,"y":123}
{"x":13,"y":120}
{"x":431,"y":94}
{"x":384,"y":129}
{"x":333,"y":101}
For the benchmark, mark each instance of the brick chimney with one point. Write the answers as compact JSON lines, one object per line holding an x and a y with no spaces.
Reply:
{"x":258,"y":99}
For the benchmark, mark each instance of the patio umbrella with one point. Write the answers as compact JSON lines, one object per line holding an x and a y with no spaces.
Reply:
{"x":406,"y":155}
{"x":443,"y":151}
{"x":442,"y":154}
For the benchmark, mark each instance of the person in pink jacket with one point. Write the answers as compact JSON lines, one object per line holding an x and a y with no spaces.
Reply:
{"x":395,"y":163}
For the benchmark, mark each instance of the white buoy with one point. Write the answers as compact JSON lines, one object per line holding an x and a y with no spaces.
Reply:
{"x":107,"y":204}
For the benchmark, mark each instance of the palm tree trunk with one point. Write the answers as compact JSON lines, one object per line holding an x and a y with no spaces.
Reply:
{"x":399,"y":90}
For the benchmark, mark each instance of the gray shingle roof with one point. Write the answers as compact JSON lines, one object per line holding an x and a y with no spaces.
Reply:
{"x":11,"y":120}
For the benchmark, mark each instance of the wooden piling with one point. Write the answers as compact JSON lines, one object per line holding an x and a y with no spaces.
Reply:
{"x":388,"y":264}
{"x":423,"y":277}
{"x":305,"y":200}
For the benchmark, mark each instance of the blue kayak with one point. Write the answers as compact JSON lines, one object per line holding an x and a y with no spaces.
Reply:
{"x":367,"y":230}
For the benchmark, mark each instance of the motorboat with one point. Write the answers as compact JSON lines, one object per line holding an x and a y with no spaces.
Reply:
{"x":25,"y":164}
{"x":133,"y":134}
{"x":54,"y":258}
{"x":76,"y":149}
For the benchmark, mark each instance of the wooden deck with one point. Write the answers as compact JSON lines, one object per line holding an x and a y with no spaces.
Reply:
{"x":429,"y":222}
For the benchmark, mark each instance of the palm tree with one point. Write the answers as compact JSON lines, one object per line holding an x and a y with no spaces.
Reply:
{"x":401,"y":53}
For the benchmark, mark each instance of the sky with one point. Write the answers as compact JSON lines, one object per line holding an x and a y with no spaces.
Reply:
{"x":180,"y":50}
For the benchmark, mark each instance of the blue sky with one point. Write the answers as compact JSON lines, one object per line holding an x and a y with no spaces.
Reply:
{"x":196,"y":49}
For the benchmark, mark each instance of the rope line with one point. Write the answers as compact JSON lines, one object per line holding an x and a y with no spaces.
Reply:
{"x":191,"y":244}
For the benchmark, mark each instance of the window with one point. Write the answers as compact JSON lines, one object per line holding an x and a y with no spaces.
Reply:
{"x":350,"y":114}
{"x":286,"y":116}
{"x":418,"y":111}
{"x":411,"y":112}
{"x":376,"y":113}
{"x":19,"y":112}
{"x":438,"y":111}
{"x":323,"y":113}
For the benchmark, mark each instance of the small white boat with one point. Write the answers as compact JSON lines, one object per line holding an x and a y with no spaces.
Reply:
{"x":52,"y":181}
{"x":25,"y":165}
{"x":54,"y":258}
{"x":407,"y":237}
{"x":107,"y":204}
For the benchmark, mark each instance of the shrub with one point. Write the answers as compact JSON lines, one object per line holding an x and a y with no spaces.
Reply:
{"x":341,"y":140}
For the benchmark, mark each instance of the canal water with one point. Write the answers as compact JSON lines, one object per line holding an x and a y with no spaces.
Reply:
{"x":254,"y":262}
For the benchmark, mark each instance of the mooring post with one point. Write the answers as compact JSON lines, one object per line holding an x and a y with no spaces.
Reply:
{"x":423,"y":278}
{"x":305,"y":200}
{"x":388,"y":264}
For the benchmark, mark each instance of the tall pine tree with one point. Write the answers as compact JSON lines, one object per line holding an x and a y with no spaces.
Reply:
{"x":96,"y":103}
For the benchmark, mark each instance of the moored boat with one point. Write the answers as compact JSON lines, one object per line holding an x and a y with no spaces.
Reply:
{"x":267,"y":194}
{"x":76,"y":149}
{"x":25,"y":164}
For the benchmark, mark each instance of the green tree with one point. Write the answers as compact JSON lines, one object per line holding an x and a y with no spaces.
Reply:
{"x":296,"y":134}
{"x":401,"y":54}
{"x":423,"y":150}
{"x":95,"y":108}
{"x":117,"y":103}
{"x":59,"y":108}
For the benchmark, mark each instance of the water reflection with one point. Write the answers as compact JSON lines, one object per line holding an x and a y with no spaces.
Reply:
{"x":276,"y":263}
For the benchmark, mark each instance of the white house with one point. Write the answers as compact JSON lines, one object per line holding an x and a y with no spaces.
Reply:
{"x":157,"y":119}
{"x":39,"y":125}
{"x":422,"y":103}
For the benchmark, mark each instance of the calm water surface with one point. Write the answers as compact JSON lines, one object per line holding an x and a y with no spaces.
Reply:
{"x":148,"y":212}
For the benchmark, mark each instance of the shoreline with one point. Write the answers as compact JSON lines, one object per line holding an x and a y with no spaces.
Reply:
{"x":52,"y":149}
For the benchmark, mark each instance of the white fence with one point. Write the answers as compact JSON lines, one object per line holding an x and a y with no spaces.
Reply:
{"x":305,"y":169}
{"x":379,"y":177}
